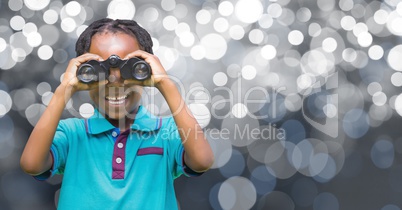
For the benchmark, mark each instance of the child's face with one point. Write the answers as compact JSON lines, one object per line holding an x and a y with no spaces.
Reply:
{"x":115,"y":99}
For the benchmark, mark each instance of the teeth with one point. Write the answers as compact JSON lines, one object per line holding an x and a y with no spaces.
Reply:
{"x":116,"y":98}
{"x":116,"y":102}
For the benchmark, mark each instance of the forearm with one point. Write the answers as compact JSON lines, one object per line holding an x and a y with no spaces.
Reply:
{"x":198,"y":153}
{"x":35,"y":158}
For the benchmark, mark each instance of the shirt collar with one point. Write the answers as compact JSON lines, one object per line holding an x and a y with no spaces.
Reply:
{"x":144,"y":121}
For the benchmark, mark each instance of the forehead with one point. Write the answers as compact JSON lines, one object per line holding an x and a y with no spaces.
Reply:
{"x":107,"y":44}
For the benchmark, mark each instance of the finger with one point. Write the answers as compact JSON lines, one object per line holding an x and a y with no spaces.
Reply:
{"x":98,"y":84}
{"x":133,"y":82}
{"x":138,"y":53}
{"x":88,"y":56}
{"x":76,"y":62}
{"x":151,"y":59}
{"x":93,"y":85}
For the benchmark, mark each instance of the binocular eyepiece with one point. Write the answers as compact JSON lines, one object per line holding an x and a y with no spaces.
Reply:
{"x":133,"y":68}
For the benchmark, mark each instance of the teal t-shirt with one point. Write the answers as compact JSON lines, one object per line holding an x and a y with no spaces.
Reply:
{"x":105,"y":168}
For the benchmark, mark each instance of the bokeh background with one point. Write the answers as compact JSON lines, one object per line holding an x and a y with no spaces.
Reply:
{"x":300,"y":99}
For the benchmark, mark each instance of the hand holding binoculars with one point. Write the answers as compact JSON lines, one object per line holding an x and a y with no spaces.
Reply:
{"x":133,"y":68}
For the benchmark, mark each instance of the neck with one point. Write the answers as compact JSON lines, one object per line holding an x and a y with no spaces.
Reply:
{"x":123,"y":124}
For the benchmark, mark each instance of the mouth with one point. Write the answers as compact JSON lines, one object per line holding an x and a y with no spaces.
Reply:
{"x":116,"y":100}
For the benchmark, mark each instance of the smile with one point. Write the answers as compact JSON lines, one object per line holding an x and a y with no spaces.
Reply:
{"x":116,"y":100}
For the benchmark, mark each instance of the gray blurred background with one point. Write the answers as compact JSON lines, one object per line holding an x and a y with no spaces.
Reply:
{"x":300,"y":99}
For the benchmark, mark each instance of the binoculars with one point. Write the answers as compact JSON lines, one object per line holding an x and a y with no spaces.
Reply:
{"x":133,"y":68}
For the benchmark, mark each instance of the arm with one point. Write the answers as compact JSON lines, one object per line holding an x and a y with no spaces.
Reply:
{"x":36,"y":157}
{"x":198,"y":153}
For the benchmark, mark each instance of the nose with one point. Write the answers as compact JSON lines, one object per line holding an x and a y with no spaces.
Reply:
{"x":115,"y":76}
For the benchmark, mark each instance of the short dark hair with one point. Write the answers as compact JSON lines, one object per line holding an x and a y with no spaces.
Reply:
{"x":109,"y":25}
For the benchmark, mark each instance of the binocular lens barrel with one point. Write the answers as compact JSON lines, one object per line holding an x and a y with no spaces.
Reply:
{"x":140,"y":71}
{"x":86,"y":73}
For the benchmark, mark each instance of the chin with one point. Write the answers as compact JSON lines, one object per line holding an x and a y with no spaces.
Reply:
{"x":116,"y":115}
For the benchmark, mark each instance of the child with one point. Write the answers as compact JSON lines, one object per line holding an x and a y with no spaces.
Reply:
{"x":122,"y":157}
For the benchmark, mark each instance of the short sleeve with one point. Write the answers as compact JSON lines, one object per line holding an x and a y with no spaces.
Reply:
{"x":176,"y":148}
{"x":58,"y":151}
